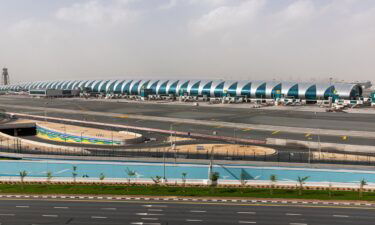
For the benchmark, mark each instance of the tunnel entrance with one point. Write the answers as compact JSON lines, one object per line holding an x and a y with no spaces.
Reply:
{"x":19,"y":129}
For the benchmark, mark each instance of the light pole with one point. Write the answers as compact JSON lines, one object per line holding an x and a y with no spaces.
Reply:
{"x":319,"y":146}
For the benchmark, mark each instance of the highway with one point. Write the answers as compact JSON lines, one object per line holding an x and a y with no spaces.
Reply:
{"x":340,"y":121}
{"x":22,"y":212}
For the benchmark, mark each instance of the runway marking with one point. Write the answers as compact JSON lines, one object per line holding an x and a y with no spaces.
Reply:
{"x":50,"y":215}
{"x":307,"y":135}
{"x":193,"y":220}
{"x":98,"y":217}
{"x":241,"y":221}
{"x":61,"y":207}
{"x":293,"y":214}
{"x":342,"y":216}
{"x":344,"y":138}
{"x":198,"y":211}
{"x":275,"y":132}
{"x":22,"y":206}
{"x":246,"y":212}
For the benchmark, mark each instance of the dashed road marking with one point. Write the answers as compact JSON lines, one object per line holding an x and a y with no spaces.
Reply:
{"x":246,"y":212}
{"x":342,"y":216}
{"x":22,"y":206}
{"x":198,"y":211}
{"x":193,"y":220}
{"x":61,"y":207}
{"x":241,"y":221}
{"x":293,"y":214}
{"x":98,"y":217}
{"x":50,"y":215}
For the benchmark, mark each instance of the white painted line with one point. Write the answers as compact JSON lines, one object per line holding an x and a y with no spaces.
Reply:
{"x":50,"y":215}
{"x":149,"y":218}
{"x":246,"y":213}
{"x":142,"y":223}
{"x":247,"y":222}
{"x":61,"y":207}
{"x":155,"y":210}
{"x":298,"y":224}
{"x":148,"y":214}
{"x":109,"y":209}
{"x":157,"y":206}
{"x":22,"y":206}
{"x":293,"y":214}
{"x":98,"y":217}
{"x":7,"y":214}
{"x":192,"y":220}
{"x":198,"y":211}
{"x":343,"y":216}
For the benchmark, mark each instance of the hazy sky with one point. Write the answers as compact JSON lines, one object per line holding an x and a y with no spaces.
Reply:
{"x":238,"y":39}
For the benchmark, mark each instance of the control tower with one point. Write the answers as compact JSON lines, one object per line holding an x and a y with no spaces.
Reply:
{"x":5,"y":77}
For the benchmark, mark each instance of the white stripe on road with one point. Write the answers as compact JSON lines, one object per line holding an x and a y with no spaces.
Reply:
{"x":149,"y":218}
{"x":247,"y":222}
{"x":344,"y":216}
{"x":109,"y":209}
{"x":293,"y":214}
{"x":198,"y":211}
{"x":22,"y":206}
{"x":192,"y":220}
{"x":298,"y":224}
{"x":50,"y":215}
{"x":142,"y":223}
{"x":155,"y":210}
{"x":246,"y":212}
{"x":149,"y":214}
{"x":7,"y":214}
{"x":98,"y":217}
{"x":61,"y":207}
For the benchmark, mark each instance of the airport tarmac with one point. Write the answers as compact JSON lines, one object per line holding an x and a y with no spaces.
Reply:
{"x":322,"y":120}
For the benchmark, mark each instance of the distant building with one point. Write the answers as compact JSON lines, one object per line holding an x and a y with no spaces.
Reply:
{"x":5,"y":77}
{"x":209,"y":88}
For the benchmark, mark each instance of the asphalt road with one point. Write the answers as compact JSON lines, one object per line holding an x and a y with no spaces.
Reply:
{"x":54,"y":212}
{"x":363,"y":122}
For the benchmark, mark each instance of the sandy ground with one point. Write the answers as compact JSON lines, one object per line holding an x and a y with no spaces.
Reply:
{"x":217,"y":149}
{"x":342,"y":157}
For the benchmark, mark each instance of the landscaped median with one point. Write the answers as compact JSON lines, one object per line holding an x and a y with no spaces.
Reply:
{"x":183,"y":191}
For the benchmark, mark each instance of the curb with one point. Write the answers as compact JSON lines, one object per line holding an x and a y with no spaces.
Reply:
{"x":175,"y":199}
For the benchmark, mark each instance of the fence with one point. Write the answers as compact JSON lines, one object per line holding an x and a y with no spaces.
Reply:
{"x":166,"y":152}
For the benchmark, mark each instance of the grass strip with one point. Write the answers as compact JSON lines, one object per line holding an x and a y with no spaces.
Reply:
{"x":181,"y":191}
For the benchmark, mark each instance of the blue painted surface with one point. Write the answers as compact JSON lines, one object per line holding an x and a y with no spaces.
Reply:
{"x":194,"y":171}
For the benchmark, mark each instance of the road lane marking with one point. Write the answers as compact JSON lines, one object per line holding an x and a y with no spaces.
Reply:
{"x":293,"y":214}
{"x":155,"y":210}
{"x":246,"y":212}
{"x":241,"y":221}
{"x":298,"y":224}
{"x":198,"y":211}
{"x":98,"y":217}
{"x":22,"y":206}
{"x":343,"y":216}
{"x":7,"y":214}
{"x":157,"y":206}
{"x":193,"y":220}
{"x":275,"y":132}
{"x":109,"y":209}
{"x":149,"y":218}
{"x":149,"y":214}
{"x":142,"y":223}
{"x":50,"y":215}
{"x":61,"y":207}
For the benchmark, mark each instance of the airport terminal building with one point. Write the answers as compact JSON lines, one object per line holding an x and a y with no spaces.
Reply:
{"x":207,"y":88}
